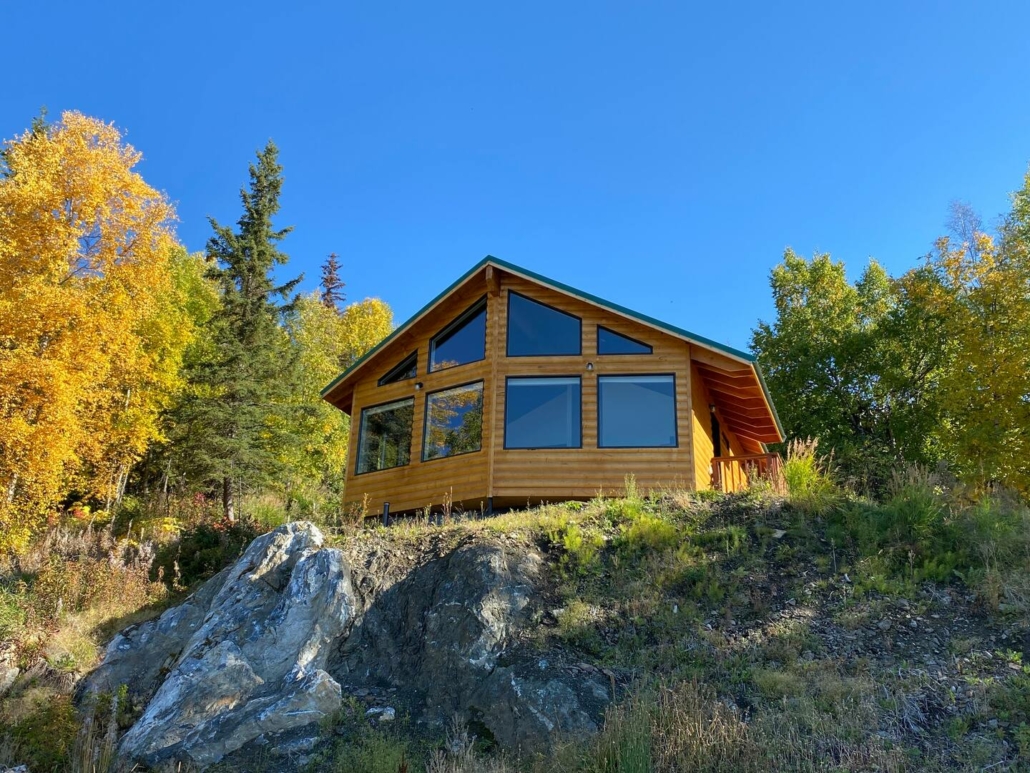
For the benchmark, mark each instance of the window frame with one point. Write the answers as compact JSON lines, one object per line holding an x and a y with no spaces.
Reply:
{"x":357,"y":450}
{"x":509,"y":379}
{"x":455,"y":323}
{"x":648,"y":353}
{"x":384,"y":380}
{"x":675,"y":408}
{"x":507,"y":328}
{"x":425,"y":421}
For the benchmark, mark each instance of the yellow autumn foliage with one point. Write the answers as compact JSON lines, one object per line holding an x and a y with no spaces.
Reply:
{"x":328,"y":341}
{"x":91,"y":333}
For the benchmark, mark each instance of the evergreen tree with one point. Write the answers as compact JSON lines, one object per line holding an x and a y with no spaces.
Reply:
{"x":232,"y":430}
{"x":332,"y":294}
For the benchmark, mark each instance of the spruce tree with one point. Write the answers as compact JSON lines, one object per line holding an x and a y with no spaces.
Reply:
{"x":237,"y":420}
{"x":332,"y":294}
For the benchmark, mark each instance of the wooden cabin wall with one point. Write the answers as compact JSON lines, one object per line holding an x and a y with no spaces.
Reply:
{"x":419,"y":483}
{"x":524,"y":474}
{"x":517,"y":475}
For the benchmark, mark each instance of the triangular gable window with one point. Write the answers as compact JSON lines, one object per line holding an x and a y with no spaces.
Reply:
{"x":461,"y":342}
{"x":610,"y":342}
{"x":536,"y":329}
{"x":405,"y":369}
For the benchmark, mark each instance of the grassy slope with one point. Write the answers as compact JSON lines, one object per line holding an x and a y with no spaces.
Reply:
{"x":747,"y":633}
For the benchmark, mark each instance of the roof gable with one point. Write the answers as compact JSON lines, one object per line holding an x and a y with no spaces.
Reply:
{"x":489,"y":260}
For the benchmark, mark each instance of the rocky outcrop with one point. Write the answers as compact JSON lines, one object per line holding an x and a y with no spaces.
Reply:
{"x":268,"y":647}
{"x":243,"y":657}
{"x":445,"y":641}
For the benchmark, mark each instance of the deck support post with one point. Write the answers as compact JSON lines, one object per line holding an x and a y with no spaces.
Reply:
{"x":489,"y":506}
{"x":386,"y":513}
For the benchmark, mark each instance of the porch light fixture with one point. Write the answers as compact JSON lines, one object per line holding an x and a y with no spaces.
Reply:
{"x":590,"y":366}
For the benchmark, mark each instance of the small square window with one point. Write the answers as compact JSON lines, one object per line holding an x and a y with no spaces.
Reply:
{"x":454,"y":422}
{"x":384,"y":438}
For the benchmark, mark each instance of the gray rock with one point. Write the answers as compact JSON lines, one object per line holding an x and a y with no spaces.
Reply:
{"x":525,"y":710}
{"x":242,"y":658}
{"x":446,"y":638}
{"x":252,"y":662}
{"x":8,"y":666}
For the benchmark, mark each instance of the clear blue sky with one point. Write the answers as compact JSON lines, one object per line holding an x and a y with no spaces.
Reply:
{"x":661,"y":155}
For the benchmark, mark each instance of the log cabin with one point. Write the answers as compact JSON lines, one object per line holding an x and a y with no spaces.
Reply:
{"x":510,"y":388}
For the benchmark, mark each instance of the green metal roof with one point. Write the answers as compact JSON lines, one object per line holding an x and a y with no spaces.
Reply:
{"x":512,"y":268}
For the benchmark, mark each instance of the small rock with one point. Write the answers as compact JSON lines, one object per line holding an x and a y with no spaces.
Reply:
{"x":291,"y":748}
{"x":913,"y":624}
{"x":382,"y":713}
{"x":992,"y":724}
{"x":884,"y":624}
{"x":778,"y":534}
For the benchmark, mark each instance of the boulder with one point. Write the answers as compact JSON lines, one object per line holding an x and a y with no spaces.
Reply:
{"x":444,"y":642}
{"x":243,"y":657}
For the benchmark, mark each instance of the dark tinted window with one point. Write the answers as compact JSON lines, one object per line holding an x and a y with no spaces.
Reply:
{"x":454,"y":422}
{"x":461,"y":342}
{"x":407,"y":368}
{"x":536,"y":329}
{"x":636,"y":411}
{"x":610,"y":342}
{"x":542,"y":413}
{"x":385,"y":436}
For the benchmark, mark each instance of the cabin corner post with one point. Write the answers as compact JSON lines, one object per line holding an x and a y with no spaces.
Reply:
{"x":494,"y":317}
{"x":688,"y":381}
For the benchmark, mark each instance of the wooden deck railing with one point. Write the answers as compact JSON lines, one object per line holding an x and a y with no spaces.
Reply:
{"x":735,"y":473}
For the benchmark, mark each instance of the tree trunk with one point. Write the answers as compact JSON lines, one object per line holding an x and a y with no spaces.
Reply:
{"x":228,"y":507}
{"x":12,"y":488}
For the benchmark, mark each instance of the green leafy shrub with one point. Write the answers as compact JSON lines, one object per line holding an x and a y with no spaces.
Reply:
{"x":730,"y":539}
{"x":43,"y":739}
{"x":647,"y":532}
{"x":203,"y":550}
{"x":810,"y":485}
{"x":580,"y":545}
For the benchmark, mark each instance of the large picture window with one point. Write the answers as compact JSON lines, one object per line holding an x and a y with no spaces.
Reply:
{"x":535,"y":329}
{"x":454,"y":422}
{"x":636,"y":412}
{"x":542,"y":412}
{"x":461,"y":342}
{"x":384,"y":439}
